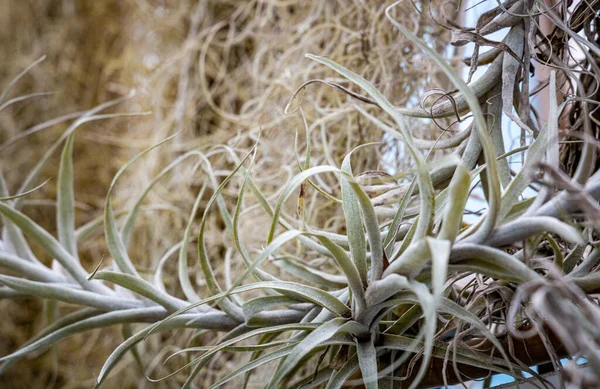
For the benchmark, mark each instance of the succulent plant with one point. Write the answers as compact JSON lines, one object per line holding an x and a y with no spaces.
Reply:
{"x":409,"y":286}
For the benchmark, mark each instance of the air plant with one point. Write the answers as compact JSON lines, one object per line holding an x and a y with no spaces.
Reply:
{"x":411,"y":296}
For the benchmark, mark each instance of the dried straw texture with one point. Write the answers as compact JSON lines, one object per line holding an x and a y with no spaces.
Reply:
{"x":219,"y":71}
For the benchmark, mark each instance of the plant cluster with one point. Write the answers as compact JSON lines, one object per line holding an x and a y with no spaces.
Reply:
{"x":407,"y":294}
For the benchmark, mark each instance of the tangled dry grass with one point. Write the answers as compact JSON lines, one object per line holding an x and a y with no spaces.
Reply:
{"x":220,"y":72}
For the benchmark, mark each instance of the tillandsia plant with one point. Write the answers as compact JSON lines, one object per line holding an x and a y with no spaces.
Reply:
{"x":408,"y":294}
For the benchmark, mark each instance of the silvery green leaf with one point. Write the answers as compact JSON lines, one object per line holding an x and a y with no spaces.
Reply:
{"x":244,"y":348}
{"x":65,"y":208}
{"x":263,"y":201}
{"x":385,"y":288}
{"x":314,"y":379}
{"x":354,"y":225}
{"x":463,"y":355}
{"x":315,"y":295}
{"x":388,"y":243}
{"x":367,"y":360}
{"x":306,"y":164}
{"x":223,"y":344}
{"x":12,"y":236}
{"x":8,"y":198}
{"x":290,"y":187}
{"x":8,"y":293}
{"x":312,"y":340}
{"x":253,"y":364}
{"x":265,"y":253}
{"x":526,"y":227}
{"x":424,"y":178}
{"x":408,"y":238}
{"x":510,"y":71}
{"x":440,"y":255}
{"x":494,"y":108}
{"x":62,"y":322}
{"x":85,"y":118}
{"x":85,"y":231}
{"x":87,"y":324}
{"x":573,"y":258}
{"x":479,"y":123}
{"x":492,"y":257}
{"x":143,"y":288}
{"x":263,"y":339}
{"x":14,"y":81}
{"x":39,"y":127}
{"x":449,"y":306}
{"x":348,"y":267}
{"x":304,"y":292}
{"x":306,"y":273}
{"x":430,"y":305}
{"x":127,"y":332}
{"x":338,"y":379}
{"x":18,"y":99}
{"x":182,"y":263}
{"x":420,"y":143}
{"x":115,"y":243}
{"x":369,"y":218}
{"x":88,"y":229}
{"x":458,"y":194}
{"x":260,"y":304}
{"x":520,"y":209}
{"x":258,"y":273}
{"x":412,"y":260}
{"x":535,"y":153}
{"x":37,"y":272}
{"x":52,"y":247}
{"x":68,"y":294}
{"x":587,"y":264}
{"x":206,"y":320}
{"x":129,"y":222}
{"x":404,"y":322}
{"x":226,"y":304}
